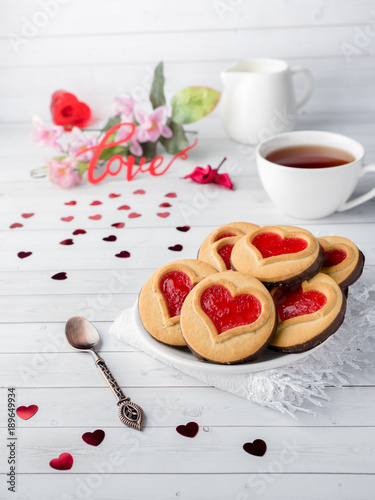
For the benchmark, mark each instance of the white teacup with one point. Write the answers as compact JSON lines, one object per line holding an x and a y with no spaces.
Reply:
{"x":311,"y":193}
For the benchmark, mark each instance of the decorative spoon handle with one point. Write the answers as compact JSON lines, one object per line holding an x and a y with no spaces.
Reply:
{"x":129,"y":413}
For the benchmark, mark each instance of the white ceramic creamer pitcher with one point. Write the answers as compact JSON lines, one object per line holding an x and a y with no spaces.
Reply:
{"x":258,"y":100}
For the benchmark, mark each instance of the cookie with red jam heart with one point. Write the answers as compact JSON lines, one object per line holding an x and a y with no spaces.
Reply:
{"x":226,"y":231}
{"x":278,"y":255}
{"x":308,"y":313}
{"x":218,"y":254}
{"x":163,"y":295}
{"x":343,"y":261}
{"x":228,"y":318}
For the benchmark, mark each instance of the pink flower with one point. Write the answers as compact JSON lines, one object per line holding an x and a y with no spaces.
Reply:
{"x":124,"y":106}
{"x":63,"y":171}
{"x":151,"y":126}
{"x":81,"y":142}
{"x":123,"y":133}
{"x":43,"y":136}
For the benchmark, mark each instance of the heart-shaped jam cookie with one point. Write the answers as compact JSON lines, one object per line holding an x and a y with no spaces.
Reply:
{"x":343,"y":261}
{"x":219,"y":253}
{"x":226,"y":231}
{"x":228,"y":318}
{"x":163,"y":295}
{"x":308,"y":312}
{"x":278,"y":255}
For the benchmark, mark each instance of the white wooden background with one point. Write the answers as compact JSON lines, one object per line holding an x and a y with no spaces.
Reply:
{"x":102,"y":49}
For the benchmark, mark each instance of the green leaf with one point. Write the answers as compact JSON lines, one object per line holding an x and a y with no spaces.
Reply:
{"x":111,"y":122}
{"x":107,"y":153}
{"x":82,"y":166}
{"x":178,"y":141}
{"x":193,"y":103}
{"x":148,"y":151}
{"x":157,"y":96}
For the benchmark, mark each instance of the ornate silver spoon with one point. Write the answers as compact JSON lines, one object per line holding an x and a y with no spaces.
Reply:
{"x":82,"y":335}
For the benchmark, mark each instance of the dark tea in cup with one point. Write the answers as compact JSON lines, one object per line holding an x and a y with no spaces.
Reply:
{"x":310,"y":156}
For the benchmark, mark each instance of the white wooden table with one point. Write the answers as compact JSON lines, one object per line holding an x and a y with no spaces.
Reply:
{"x":331,"y":455}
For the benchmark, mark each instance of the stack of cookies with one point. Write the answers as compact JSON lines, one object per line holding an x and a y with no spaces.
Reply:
{"x":252,"y":288}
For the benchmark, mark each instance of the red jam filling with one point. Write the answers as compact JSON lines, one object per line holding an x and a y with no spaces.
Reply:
{"x":225,"y":253}
{"x":227,"y":312}
{"x":333,"y":257}
{"x":175,"y":286}
{"x":225,"y":235}
{"x":271,"y":244}
{"x":291,"y":301}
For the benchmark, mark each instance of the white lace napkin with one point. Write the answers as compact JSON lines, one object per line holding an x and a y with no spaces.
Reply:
{"x":289,"y":388}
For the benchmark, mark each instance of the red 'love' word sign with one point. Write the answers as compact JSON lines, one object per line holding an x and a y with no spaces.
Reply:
{"x":156,"y":167}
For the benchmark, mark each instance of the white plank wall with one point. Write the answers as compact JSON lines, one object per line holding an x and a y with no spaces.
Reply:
{"x":99,"y":50}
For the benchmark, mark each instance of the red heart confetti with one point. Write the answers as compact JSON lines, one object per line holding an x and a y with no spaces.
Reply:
{"x":176,"y":248}
{"x":124,"y":254}
{"x":139,"y":191}
{"x":119,"y":225}
{"x":171,"y":195}
{"x":257,"y":448}
{"x":163,"y":215}
{"x":124,"y":207}
{"x":114,"y":195}
{"x":15,"y":225}
{"x":26,"y":412}
{"x":69,"y":241}
{"x":183,"y":229}
{"x":110,"y":238}
{"x":59,"y":276}
{"x":165,"y":205}
{"x":67,"y":219}
{"x":71,"y":203}
{"x":23,"y":255}
{"x":64,"y":462}
{"x":27,"y":216}
{"x":189,"y":430}
{"x":96,"y":202}
{"x":95,"y":217}
{"x":93,"y":438}
{"x":79,"y":231}
{"x":134,"y":215}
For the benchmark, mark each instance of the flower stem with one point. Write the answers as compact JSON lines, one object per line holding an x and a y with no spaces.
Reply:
{"x":191,"y":131}
{"x":39,"y":173}
{"x":222,"y":161}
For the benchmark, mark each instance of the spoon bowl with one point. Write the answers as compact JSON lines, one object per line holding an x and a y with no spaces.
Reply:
{"x":81,"y":333}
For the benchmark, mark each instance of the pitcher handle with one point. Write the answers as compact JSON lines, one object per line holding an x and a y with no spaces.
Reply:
{"x":364,"y":197}
{"x":309,"y":84}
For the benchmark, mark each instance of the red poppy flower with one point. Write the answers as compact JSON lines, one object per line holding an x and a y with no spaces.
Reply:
{"x":68,"y":111}
{"x":208,"y":174}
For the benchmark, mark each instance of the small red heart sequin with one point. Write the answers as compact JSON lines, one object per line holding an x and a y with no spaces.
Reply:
{"x":59,"y":276}
{"x":93,"y":438}
{"x":64,"y":462}
{"x":79,"y":231}
{"x":114,"y":195}
{"x":15,"y":225}
{"x":176,"y":248}
{"x":71,"y":203}
{"x":26,"y":412}
{"x":27,"y":216}
{"x":257,"y":448}
{"x":139,"y":191}
{"x":68,"y":242}
{"x":163,"y":215}
{"x":183,"y":229}
{"x":96,"y":202}
{"x":165,"y":205}
{"x":67,"y":219}
{"x":189,"y":430}
{"x":119,"y":225}
{"x":23,"y":255}
{"x":134,"y":215}
{"x":124,"y":254}
{"x":95,"y":217}
{"x":110,"y":238}
{"x":124,"y":207}
{"x":171,"y":195}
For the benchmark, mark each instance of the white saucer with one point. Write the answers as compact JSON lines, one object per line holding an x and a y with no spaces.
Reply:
{"x":185,"y":359}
